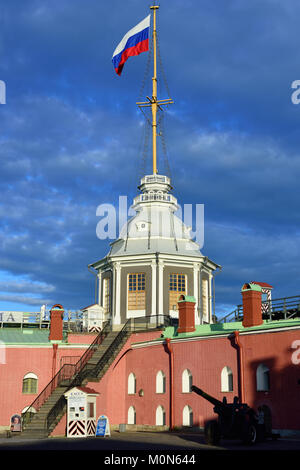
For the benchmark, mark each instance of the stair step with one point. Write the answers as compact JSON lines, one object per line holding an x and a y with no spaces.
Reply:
{"x":35,"y":427}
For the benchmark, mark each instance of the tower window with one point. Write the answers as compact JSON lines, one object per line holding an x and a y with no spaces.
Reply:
{"x":106,"y":295}
{"x":177,"y":287}
{"x":205,"y":298}
{"x":136,"y":291}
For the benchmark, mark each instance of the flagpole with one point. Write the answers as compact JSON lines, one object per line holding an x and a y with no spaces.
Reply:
{"x":154,"y":103}
{"x":154,"y":93}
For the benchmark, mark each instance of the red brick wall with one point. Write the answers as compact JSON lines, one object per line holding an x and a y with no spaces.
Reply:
{"x":205,"y":359}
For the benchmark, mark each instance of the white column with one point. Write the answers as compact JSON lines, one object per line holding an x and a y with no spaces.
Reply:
{"x":161,"y":288}
{"x":117,"y":279}
{"x":153,"y":282}
{"x":100,"y":288}
{"x":200,"y":298}
{"x":196,"y":294}
{"x":210,"y":298}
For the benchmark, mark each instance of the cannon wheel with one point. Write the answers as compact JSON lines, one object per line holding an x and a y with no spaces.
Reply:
{"x":250,"y":435}
{"x":212,"y":433}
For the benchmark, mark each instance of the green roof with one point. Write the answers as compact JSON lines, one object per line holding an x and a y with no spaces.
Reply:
{"x":251,"y":287}
{"x":187,"y":298}
{"x":24,"y":336}
{"x":227,"y":328}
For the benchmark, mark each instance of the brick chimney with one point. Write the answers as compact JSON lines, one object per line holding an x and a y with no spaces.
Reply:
{"x":56,"y":323}
{"x":186,"y":307}
{"x":251,"y":294}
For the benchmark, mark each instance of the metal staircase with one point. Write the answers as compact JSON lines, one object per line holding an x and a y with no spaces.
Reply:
{"x":48,"y":408}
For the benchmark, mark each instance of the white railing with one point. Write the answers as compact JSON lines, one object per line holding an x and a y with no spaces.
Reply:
{"x":156,"y":179}
{"x":155,"y":197}
{"x":42,"y":319}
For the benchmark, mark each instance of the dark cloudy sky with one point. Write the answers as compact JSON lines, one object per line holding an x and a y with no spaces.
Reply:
{"x":70,"y":138}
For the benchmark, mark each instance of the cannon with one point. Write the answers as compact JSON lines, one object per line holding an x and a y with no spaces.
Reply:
{"x":235,"y":420}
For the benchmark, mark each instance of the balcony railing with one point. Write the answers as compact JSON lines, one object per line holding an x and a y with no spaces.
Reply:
{"x":284,"y":308}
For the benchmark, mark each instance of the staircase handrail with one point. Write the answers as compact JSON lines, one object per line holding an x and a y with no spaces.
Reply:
{"x":75,"y":372}
{"x":66,"y":372}
{"x":131,"y":325}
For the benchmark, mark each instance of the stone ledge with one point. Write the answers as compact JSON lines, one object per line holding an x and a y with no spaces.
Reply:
{"x":139,"y":427}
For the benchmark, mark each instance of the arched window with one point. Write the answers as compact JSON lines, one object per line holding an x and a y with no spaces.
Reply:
{"x":187,"y":416}
{"x":160,"y":418}
{"x":187,"y":381}
{"x":131,"y":384}
{"x":160,"y":382}
{"x":226,"y":379}
{"x":131,"y":415}
{"x":27,"y":414}
{"x":262,"y":378}
{"x":30,"y":383}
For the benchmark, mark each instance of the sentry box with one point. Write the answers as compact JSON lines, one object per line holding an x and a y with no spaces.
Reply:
{"x":81,"y":412}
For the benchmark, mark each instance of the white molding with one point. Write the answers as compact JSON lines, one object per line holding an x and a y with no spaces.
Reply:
{"x":117,"y":317}
{"x":99,"y":287}
{"x":158,"y":342}
{"x":153,"y":284}
{"x":196,"y":270}
{"x":135,"y":313}
{"x":160,"y":287}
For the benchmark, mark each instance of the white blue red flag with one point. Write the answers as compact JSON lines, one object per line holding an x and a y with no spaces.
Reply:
{"x":133,"y":43}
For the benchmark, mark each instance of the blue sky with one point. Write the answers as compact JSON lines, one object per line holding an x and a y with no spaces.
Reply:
{"x":70,"y":138}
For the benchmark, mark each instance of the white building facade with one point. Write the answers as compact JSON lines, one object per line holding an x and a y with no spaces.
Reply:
{"x":153,"y":262}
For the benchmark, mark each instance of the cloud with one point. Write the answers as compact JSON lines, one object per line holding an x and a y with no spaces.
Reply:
{"x":71,"y":139}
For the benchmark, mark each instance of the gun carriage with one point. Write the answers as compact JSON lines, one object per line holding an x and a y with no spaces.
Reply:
{"x":235,"y":420}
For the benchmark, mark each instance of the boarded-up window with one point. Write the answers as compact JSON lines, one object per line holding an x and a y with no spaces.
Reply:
{"x":136,"y":291}
{"x":106,"y":295}
{"x":205,"y":298}
{"x":177,"y":287}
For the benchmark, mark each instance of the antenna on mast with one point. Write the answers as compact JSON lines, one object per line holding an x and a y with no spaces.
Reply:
{"x":153,"y":102}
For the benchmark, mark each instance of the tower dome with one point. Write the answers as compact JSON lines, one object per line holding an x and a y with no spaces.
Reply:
{"x":155,"y":227}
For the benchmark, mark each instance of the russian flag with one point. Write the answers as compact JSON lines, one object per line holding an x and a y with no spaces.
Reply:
{"x":133,"y":43}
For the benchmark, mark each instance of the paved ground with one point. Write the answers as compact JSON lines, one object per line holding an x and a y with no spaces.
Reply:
{"x":145,"y":442}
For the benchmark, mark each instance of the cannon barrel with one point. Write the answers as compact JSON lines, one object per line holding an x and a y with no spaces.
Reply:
{"x":206,"y":396}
